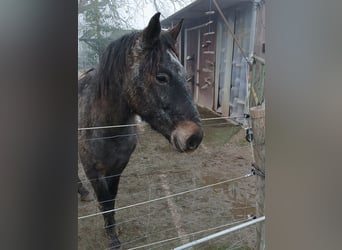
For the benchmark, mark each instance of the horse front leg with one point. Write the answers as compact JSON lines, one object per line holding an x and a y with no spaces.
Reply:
{"x":110,"y":225}
{"x":106,"y":199}
{"x":113,"y":180}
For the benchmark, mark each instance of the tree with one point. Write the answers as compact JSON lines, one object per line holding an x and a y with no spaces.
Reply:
{"x":100,"y":21}
{"x":96,"y":21}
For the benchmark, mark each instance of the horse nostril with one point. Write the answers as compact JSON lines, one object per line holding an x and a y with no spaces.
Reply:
{"x":187,"y":136}
{"x":194,"y":141}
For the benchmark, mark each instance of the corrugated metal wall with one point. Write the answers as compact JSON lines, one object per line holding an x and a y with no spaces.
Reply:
{"x":240,"y":68}
{"x":224,"y":62}
{"x":216,"y":69}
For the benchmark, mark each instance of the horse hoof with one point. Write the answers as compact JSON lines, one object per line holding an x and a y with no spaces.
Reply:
{"x":85,"y":194}
{"x":114,"y":244}
{"x":86,"y":197}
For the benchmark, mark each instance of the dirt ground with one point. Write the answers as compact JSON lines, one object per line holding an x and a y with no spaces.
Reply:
{"x":156,"y":170}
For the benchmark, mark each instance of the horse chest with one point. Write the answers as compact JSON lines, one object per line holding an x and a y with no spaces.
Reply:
{"x":111,"y":147}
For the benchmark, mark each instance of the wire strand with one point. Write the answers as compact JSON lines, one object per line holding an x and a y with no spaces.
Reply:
{"x":155,"y":185}
{"x":187,"y":235}
{"x":96,"y":179}
{"x":165,"y":197}
{"x":212,"y":228}
{"x":136,"y":124}
{"x":221,"y":233}
{"x":107,"y":137}
{"x":135,"y":134}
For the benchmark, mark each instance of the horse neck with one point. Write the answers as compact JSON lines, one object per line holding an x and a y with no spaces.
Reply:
{"x":114,"y":110}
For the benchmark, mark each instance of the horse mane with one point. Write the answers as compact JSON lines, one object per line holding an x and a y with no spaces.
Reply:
{"x":114,"y":61}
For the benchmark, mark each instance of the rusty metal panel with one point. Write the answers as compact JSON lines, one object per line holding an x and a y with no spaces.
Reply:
{"x":191,"y":58}
{"x":200,"y":63}
{"x":207,"y":56}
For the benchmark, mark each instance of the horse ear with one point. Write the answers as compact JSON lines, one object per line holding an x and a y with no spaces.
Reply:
{"x":174,"y":32}
{"x":151,"y":33}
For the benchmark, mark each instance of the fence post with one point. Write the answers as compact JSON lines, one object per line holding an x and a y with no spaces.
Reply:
{"x":258,"y":125}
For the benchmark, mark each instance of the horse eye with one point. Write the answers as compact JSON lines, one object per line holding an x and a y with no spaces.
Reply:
{"x":162,"y":78}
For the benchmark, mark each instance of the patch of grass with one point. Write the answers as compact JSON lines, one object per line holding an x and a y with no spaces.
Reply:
{"x":220,"y":134}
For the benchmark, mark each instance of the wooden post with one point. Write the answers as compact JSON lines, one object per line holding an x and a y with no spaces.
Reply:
{"x":258,"y":125}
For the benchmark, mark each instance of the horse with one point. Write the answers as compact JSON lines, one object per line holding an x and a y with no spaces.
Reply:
{"x":138,"y":74}
{"x":84,"y":193}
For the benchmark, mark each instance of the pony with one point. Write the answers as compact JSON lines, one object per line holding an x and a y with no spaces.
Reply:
{"x":138,"y":74}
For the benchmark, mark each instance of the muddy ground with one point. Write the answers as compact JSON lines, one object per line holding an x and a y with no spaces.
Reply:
{"x":156,"y":170}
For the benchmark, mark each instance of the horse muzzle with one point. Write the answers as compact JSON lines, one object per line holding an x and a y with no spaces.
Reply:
{"x":187,"y":136}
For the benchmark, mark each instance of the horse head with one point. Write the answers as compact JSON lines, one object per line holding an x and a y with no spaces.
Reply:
{"x":157,"y":88}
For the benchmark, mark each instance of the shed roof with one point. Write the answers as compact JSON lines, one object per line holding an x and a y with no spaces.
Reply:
{"x":197,"y":9}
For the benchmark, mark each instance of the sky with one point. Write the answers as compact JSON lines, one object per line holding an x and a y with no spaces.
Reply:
{"x":142,"y":17}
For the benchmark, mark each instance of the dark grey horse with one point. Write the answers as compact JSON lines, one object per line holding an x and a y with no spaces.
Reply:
{"x":138,"y":74}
